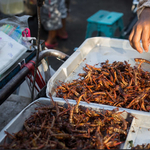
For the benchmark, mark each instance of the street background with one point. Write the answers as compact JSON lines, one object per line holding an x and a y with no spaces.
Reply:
{"x":76,"y":23}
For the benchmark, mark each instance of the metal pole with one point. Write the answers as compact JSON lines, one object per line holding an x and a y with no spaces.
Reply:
{"x":12,"y":85}
{"x":38,"y":50}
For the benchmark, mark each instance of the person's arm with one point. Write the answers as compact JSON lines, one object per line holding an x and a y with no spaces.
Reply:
{"x":141,"y":30}
{"x":142,"y":4}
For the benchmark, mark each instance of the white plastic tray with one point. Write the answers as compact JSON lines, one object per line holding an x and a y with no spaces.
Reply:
{"x":16,"y":124}
{"x":92,"y":51}
{"x":139,"y":132}
{"x":140,"y":123}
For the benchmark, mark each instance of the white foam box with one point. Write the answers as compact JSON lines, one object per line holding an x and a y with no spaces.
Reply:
{"x":93,"y":51}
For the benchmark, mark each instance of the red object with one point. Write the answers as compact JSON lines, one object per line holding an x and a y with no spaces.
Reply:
{"x":26,"y":32}
{"x":49,"y":46}
{"x":39,"y":79}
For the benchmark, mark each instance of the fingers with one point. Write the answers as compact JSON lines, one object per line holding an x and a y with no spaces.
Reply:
{"x":135,"y":38}
{"x":141,"y":31}
{"x":145,"y":39}
{"x":130,"y":38}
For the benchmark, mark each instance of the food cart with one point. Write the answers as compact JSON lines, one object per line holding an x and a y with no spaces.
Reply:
{"x":92,"y":51}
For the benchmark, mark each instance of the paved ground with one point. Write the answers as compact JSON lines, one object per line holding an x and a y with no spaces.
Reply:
{"x":76,"y":28}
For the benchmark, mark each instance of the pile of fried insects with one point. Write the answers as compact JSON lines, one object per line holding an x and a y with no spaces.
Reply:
{"x":116,"y":84}
{"x":72,"y":127}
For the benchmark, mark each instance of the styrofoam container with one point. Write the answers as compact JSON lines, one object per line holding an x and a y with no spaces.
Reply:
{"x":139,"y":132}
{"x":93,"y":51}
{"x":11,"y":7}
{"x":16,"y":124}
{"x":140,"y":122}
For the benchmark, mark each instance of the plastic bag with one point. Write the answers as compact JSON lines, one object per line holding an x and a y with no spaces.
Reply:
{"x":14,"y":26}
{"x":22,"y":21}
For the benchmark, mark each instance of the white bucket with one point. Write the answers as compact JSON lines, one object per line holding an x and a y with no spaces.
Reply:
{"x":11,"y":7}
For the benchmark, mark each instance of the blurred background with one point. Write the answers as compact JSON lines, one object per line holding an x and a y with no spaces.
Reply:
{"x":76,"y":22}
{"x":76,"y":25}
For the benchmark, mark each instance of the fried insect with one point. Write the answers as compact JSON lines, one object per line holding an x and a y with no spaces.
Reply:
{"x":64,"y":128}
{"x":116,"y":84}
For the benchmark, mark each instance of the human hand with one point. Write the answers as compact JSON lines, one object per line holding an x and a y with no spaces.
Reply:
{"x":141,"y":31}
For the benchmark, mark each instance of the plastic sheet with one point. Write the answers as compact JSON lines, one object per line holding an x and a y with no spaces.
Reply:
{"x":10,"y":52}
